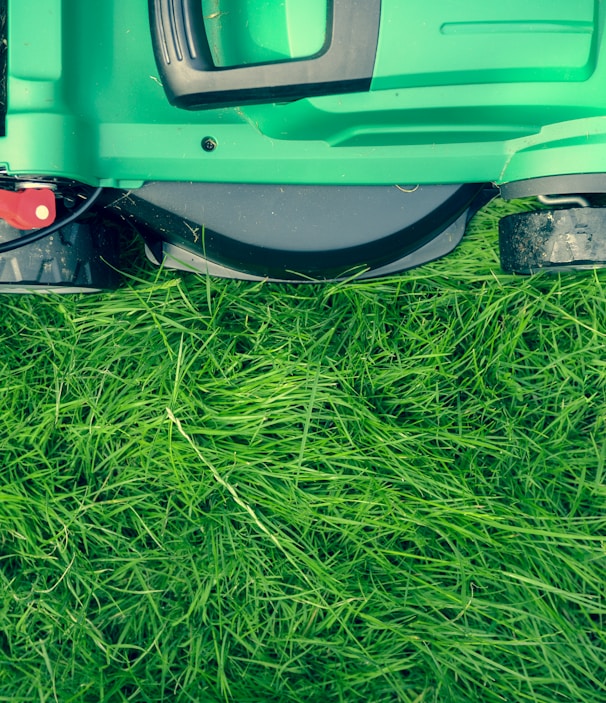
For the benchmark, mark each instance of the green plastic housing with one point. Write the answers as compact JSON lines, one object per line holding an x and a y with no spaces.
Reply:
{"x":462,"y":91}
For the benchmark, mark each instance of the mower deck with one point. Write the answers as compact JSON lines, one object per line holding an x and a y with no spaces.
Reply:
{"x":460,"y":93}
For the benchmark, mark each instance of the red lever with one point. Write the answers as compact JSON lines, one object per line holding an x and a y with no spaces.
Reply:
{"x":31,"y":208}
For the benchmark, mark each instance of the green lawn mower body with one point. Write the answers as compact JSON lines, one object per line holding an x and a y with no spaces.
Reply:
{"x":296,"y":139}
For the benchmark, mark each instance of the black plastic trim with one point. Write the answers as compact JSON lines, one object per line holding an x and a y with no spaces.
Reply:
{"x":161,"y":225}
{"x":331,"y":264}
{"x":192,"y":81}
{"x":173,"y":257}
{"x":575,"y":183}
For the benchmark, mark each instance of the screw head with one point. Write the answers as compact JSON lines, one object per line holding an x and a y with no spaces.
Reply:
{"x":209,"y":144}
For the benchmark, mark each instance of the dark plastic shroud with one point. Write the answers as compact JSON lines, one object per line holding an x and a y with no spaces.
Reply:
{"x":297,"y":232}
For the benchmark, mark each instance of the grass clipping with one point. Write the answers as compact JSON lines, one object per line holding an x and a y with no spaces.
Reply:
{"x":382,"y":491}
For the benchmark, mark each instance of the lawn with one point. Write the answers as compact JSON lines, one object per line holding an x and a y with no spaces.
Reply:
{"x":373,"y":491}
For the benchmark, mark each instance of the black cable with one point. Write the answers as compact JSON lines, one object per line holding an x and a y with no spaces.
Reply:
{"x":41,"y":233}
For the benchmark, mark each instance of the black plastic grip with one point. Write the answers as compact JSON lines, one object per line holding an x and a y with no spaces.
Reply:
{"x":191,"y":79}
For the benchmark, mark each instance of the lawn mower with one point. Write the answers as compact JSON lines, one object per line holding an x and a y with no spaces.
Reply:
{"x":295,"y":140}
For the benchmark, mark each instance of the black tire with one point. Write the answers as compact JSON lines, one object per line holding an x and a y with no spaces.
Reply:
{"x":569,"y":239}
{"x":79,"y":258}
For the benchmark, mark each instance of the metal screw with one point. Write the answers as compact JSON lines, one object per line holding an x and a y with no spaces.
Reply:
{"x":209,"y":144}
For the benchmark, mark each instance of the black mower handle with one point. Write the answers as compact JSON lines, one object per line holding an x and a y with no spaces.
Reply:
{"x":191,"y":79}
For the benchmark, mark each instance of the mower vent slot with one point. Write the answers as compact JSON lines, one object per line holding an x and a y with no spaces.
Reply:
{"x":173,"y":30}
{"x":189,"y":32}
{"x":162,"y":31}
{"x":174,"y":25}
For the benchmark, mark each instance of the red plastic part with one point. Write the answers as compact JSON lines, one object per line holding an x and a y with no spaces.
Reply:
{"x":32,"y":208}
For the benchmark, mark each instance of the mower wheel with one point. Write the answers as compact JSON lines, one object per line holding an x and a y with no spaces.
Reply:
{"x":79,"y":258}
{"x":567,"y":239}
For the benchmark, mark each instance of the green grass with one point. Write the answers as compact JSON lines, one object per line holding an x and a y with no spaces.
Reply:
{"x":383,"y":491}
